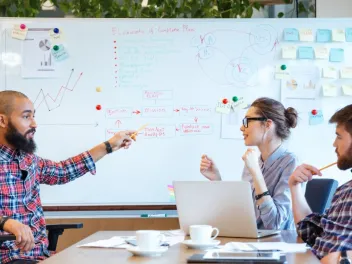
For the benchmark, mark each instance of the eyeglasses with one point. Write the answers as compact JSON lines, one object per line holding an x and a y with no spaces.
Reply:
{"x":246,"y":120}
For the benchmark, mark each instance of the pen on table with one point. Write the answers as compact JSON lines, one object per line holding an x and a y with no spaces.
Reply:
{"x":327,"y":166}
{"x":153,"y":215}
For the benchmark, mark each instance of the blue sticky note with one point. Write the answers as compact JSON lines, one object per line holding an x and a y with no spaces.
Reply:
{"x":324,"y":35}
{"x":291,"y":34}
{"x":337,"y":55}
{"x":306,"y":53}
{"x":316,"y":119}
{"x":60,"y":54}
{"x":348,"y":34}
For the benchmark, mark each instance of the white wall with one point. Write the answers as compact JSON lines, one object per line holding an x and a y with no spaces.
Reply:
{"x":336,"y":8}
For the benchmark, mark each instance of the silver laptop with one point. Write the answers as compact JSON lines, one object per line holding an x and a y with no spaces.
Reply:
{"x":227,"y":205}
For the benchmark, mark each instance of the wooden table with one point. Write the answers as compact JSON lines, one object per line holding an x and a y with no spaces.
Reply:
{"x":176,"y":254}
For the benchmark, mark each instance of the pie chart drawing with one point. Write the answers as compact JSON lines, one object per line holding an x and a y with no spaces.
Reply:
{"x":44,"y":45}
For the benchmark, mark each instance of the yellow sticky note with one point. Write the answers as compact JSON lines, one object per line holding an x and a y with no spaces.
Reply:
{"x":329,"y":72}
{"x":347,"y":89}
{"x":223,"y":108}
{"x":329,"y":90}
{"x":321,"y":53}
{"x":281,"y":74}
{"x":19,"y":32}
{"x":56,"y":35}
{"x":289,"y":52}
{"x":346,"y":73}
{"x":338,"y":35}
{"x":306,"y":34}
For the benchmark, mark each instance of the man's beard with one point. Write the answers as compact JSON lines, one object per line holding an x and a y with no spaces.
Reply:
{"x":19,"y":141}
{"x":345,"y":162}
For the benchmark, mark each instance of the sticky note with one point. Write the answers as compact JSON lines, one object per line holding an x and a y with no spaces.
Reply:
{"x":329,"y":90}
{"x":281,"y":74}
{"x":347,"y":89}
{"x":338,"y":35}
{"x":337,"y":55}
{"x":56,"y":37}
{"x":239,"y":104}
{"x":324,"y":35}
{"x":330,"y":72}
{"x":223,"y":108}
{"x":291,"y":34}
{"x":19,"y":32}
{"x":306,"y":34}
{"x":305,"y":53}
{"x":349,"y":34}
{"x":316,"y":119}
{"x":346,"y":73}
{"x":289,"y":52}
{"x":60,"y":53}
{"x":321,"y":53}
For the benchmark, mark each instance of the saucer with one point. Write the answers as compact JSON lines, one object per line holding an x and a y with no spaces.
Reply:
{"x":147,"y":253}
{"x":210,"y":244}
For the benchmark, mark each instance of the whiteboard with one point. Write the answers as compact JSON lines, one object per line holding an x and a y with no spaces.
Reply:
{"x":170,"y":74}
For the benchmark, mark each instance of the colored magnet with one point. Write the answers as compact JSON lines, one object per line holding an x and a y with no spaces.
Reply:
{"x":98,"y":107}
{"x":56,"y":30}
{"x":22,"y":26}
{"x":56,"y":47}
{"x":314,"y":112}
{"x":98,"y":89}
{"x":225,"y":101}
{"x":283,"y":67}
{"x":235,"y":99}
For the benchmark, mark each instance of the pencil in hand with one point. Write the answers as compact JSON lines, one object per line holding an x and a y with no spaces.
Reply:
{"x":327,"y":166}
{"x":134,"y":135}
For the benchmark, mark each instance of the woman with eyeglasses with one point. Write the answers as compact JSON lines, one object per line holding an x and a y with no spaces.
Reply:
{"x":266,"y":125}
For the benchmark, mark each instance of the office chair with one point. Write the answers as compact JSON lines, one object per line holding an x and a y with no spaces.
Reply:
{"x":319,"y":193}
{"x":54,"y":231}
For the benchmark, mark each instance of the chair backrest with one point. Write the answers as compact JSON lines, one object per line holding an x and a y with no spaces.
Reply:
{"x":319,"y":193}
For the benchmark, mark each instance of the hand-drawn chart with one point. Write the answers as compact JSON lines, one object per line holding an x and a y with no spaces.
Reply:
{"x":238,"y":67}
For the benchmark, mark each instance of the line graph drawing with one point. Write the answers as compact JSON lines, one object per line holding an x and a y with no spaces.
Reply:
{"x":53,"y":102}
{"x":223,"y":64}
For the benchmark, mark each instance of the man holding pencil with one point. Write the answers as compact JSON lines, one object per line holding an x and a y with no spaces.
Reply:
{"x":21,"y":173}
{"x":329,"y":234}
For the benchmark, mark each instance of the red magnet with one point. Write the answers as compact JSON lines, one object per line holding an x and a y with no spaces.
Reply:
{"x":98,"y":107}
{"x":22,"y":26}
{"x":225,"y":101}
{"x":314,"y":112}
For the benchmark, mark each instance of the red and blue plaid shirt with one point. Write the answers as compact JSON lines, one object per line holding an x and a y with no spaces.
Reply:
{"x":331,"y":231}
{"x":20,"y":197}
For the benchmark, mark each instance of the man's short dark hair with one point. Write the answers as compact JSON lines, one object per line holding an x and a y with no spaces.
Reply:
{"x":343,"y":117}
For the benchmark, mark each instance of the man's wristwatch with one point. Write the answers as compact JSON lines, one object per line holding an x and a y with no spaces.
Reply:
{"x":108,"y":147}
{"x":344,"y":258}
{"x":3,"y":220}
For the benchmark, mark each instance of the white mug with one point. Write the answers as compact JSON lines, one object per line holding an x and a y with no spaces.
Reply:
{"x":201,"y":234}
{"x":149,"y":239}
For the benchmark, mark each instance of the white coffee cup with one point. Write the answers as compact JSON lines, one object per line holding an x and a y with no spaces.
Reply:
{"x":149,"y":239}
{"x":201,"y":234}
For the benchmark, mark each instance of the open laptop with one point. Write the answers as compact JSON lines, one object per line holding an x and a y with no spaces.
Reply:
{"x":227,"y":205}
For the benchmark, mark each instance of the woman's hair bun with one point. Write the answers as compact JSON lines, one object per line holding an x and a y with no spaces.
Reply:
{"x":291,"y":116}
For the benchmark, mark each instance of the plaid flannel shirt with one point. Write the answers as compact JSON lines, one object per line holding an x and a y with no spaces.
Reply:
{"x":331,"y":231}
{"x":20,"y":197}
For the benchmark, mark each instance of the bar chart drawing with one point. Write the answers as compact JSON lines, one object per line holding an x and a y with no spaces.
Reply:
{"x":37,"y":60}
{"x":45,"y":46}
